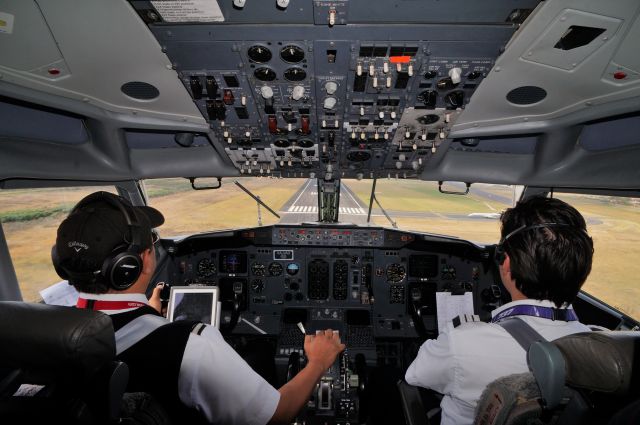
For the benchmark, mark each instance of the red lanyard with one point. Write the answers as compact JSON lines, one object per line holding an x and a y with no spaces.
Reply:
{"x":108,"y":305}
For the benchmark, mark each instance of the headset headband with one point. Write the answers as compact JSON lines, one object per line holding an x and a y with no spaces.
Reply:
{"x":499,"y":253}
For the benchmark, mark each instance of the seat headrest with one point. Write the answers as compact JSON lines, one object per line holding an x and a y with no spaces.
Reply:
{"x":52,"y":338}
{"x":601,"y":361}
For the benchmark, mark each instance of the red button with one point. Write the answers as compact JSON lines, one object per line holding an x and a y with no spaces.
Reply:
{"x":619,"y":75}
{"x":53,"y":71}
{"x":273,"y":124}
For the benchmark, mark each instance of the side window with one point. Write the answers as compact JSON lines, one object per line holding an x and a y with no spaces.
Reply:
{"x":614,"y":225}
{"x":30,"y":219}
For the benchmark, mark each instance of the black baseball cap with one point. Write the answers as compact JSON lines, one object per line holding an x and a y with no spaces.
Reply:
{"x":96,"y":227}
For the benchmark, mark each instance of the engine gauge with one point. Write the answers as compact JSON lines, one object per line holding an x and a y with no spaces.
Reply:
{"x":295,"y":74}
{"x":258,"y":269}
{"x":206,"y":268}
{"x":396,"y":273}
{"x":292,"y":54}
{"x":259,"y":54}
{"x":275,"y":269}
{"x":264,"y":74}
{"x":292,"y":269}
{"x":257,"y":285}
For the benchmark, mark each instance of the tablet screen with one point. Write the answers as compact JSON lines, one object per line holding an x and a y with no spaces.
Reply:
{"x":193,"y":304}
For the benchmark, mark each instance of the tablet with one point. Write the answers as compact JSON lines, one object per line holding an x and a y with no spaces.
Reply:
{"x":194,"y":303}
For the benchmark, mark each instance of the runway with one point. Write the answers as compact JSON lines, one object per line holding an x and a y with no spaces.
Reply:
{"x":303,"y":206}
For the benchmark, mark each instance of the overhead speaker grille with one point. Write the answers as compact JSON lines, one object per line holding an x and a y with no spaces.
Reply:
{"x":526,"y":95}
{"x":140,"y":90}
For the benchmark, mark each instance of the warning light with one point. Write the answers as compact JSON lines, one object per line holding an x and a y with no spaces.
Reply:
{"x":53,"y":71}
{"x":619,"y":75}
{"x":399,"y":59}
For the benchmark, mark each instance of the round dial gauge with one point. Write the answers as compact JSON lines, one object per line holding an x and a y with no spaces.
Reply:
{"x":428,"y":119}
{"x":292,"y":54}
{"x":395,"y":273}
{"x":292,"y":269}
{"x":275,"y":269}
{"x":258,"y":269}
{"x":206,"y":268}
{"x":305,"y":143}
{"x":295,"y":74}
{"x":358,"y":156}
{"x":455,"y":99}
{"x":259,"y":54}
{"x":282,"y":143}
{"x":264,"y":74}
{"x":257,"y":285}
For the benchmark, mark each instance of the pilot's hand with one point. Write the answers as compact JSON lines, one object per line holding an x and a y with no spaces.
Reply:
{"x":155,"y":301}
{"x":323,"y":348}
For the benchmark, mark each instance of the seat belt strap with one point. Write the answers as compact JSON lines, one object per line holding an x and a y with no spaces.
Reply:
{"x":136,"y":330}
{"x":521,"y":331}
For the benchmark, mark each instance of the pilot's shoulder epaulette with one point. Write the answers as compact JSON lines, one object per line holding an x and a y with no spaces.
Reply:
{"x":198,"y":328}
{"x":465,"y":318}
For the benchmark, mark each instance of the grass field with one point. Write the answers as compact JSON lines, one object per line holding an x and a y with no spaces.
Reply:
{"x":30,"y":219}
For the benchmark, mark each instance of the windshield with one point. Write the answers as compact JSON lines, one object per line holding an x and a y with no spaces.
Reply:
{"x":412,"y":205}
{"x":30,"y":218}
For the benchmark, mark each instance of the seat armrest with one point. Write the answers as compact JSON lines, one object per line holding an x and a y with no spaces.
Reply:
{"x":412,"y":405}
{"x":547,"y":364}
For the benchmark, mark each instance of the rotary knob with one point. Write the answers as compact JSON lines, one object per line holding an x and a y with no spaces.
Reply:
{"x":455,"y":74}
{"x":297,"y":93}
{"x":266,"y":92}
{"x":329,"y":103}
{"x":331,"y":87}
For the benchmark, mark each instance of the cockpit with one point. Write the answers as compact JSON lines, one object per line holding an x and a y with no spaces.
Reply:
{"x":325,"y":164}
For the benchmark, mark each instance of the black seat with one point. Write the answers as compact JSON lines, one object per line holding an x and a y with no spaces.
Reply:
{"x":582,"y":378}
{"x":58,"y":364}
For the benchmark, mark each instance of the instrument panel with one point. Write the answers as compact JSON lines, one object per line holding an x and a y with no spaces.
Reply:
{"x":372,"y":278}
{"x":375,"y":286}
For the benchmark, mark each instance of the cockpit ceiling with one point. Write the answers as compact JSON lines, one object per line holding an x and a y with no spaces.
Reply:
{"x":437,"y":91}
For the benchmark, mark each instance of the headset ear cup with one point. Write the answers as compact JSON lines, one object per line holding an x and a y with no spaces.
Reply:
{"x":122,"y":269}
{"x":56,"y":264}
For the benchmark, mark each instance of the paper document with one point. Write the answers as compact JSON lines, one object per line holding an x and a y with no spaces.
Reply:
{"x":450,"y":306}
{"x":60,"y":294}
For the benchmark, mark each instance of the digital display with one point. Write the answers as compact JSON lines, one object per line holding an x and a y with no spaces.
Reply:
{"x":233,"y":262}
{"x":194,"y":304}
{"x":423,"y":266}
{"x":282,"y":254}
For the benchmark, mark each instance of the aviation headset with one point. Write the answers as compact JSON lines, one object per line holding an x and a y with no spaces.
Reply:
{"x":499,"y":254}
{"x":122,"y":267}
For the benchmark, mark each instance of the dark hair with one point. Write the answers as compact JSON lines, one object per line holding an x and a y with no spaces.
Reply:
{"x":551,"y":262}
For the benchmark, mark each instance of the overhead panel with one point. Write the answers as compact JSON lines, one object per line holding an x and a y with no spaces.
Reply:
{"x":336,"y":93}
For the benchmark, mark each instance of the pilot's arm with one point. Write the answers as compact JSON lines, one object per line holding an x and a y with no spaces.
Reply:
{"x":435,"y":365}
{"x":216,"y":381}
{"x":321,"y":351}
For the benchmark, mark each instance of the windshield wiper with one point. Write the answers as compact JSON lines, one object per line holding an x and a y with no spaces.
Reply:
{"x":258,"y":200}
{"x":374,"y":198}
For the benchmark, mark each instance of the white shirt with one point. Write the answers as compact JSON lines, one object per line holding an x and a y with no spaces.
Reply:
{"x":213,"y":378}
{"x":464,"y":360}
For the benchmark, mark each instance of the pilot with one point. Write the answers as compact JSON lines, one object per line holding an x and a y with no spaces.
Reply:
{"x":544,"y":257}
{"x":105,"y":248}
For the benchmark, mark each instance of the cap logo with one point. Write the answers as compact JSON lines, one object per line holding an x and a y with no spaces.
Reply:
{"x":77,"y":246}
